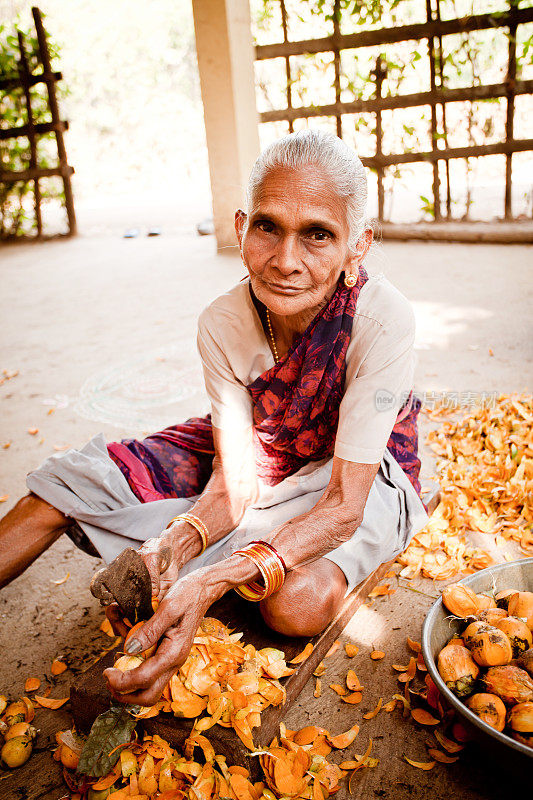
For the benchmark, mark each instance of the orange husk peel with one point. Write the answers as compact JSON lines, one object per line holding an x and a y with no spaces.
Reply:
{"x":486,"y":482}
{"x":295,"y":765}
{"x":231,"y":682}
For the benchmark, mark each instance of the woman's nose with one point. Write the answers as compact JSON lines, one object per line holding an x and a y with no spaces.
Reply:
{"x":286,"y":258}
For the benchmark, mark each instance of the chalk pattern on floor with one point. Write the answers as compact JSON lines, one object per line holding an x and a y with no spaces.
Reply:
{"x":144,"y":393}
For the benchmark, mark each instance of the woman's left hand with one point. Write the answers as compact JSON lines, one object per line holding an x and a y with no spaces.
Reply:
{"x":174,"y":626}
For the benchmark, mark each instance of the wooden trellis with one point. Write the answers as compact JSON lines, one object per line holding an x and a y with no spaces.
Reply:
{"x":433,"y":30}
{"x":26,"y":79}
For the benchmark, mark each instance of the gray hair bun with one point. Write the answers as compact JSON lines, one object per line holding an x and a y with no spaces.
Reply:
{"x":325,"y":150}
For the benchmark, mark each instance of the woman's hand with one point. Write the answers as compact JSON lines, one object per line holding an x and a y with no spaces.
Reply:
{"x":166,"y":554}
{"x":174,"y":626}
{"x":164,"y":559}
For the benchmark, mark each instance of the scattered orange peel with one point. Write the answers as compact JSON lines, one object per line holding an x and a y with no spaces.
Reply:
{"x":375,"y":712}
{"x":306,"y":652}
{"x":486,"y":481}
{"x":353,"y":699}
{"x":380,"y":591}
{"x":340,"y":690}
{"x":50,"y":702}
{"x":423,"y":717}
{"x":443,"y":758}
{"x":352,"y":681}
{"x":333,"y":649}
{"x":425,"y":765}
{"x":447,"y":744}
{"x":58,"y":667}
{"x":343,"y":740}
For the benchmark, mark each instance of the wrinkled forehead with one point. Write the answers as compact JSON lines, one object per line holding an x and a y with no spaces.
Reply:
{"x":306,"y":192}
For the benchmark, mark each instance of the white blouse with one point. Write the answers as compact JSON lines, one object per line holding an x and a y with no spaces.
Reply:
{"x":380,"y":365}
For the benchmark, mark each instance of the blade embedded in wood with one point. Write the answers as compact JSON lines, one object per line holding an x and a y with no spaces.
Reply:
{"x":125,"y":581}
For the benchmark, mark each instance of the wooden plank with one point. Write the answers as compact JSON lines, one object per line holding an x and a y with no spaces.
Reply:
{"x":441,"y":95}
{"x":434,"y":126}
{"x":440,"y":65}
{"x":54,"y":110}
{"x":500,"y":148}
{"x":25,"y":79}
{"x":7,"y":175}
{"x":89,"y":697}
{"x":337,"y":62}
{"x":423,"y":30}
{"x":457,"y":231}
{"x":509,"y":118}
{"x":39,"y":128}
{"x":288,"y":78}
{"x":12,"y":81}
{"x":379,"y":73}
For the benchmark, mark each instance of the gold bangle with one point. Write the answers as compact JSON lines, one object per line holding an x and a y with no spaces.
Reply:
{"x":197,"y":523}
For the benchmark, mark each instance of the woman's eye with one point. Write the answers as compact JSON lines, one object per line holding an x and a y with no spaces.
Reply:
{"x":320,"y":236}
{"x":265,"y":226}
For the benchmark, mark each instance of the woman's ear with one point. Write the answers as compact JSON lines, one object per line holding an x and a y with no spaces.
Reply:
{"x":357,"y":256}
{"x":363,"y":245}
{"x":240,"y":224}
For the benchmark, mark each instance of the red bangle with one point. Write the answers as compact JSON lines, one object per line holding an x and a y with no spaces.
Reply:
{"x":274,"y":551}
{"x":271,"y":567}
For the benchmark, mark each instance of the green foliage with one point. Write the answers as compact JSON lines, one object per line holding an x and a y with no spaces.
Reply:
{"x":427,"y":206}
{"x":16,"y":204}
{"x":472,"y":59}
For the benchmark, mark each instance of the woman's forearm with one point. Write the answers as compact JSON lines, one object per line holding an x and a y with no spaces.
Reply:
{"x":332,"y":521}
{"x":221,"y":507}
{"x":303,"y":539}
{"x":299,"y":541}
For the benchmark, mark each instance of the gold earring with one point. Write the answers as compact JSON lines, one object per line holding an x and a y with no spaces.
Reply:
{"x":350,"y":281}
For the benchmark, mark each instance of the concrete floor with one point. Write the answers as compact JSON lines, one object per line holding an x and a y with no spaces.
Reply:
{"x":101,"y":330}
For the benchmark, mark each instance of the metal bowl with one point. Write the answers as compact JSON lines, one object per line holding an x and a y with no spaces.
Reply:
{"x":439,"y":628}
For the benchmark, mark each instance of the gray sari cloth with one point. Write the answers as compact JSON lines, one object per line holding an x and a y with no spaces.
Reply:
{"x":87,"y":486}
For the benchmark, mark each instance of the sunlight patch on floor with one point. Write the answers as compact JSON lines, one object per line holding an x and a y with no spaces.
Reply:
{"x":437,"y":323}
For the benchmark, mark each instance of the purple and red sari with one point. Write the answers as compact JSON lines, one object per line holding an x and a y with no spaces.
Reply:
{"x":295,"y":416}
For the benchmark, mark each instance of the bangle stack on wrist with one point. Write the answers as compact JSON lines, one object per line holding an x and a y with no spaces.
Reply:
{"x":197,"y":523}
{"x":271,"y":566}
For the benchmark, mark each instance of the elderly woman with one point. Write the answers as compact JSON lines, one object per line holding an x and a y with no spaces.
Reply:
{"x":305,"y":476}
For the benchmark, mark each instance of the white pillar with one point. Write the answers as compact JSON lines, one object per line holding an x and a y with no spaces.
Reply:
{"x":226,"y":66}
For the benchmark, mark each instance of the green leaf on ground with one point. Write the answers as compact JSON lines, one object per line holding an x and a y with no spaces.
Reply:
{"x":109,"y":731}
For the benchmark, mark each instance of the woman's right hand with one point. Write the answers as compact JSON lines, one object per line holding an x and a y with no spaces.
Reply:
{"x":163,"y":568}
{"x":167,"y":553}
{"x":163,"y":563}
{"x":164,"y":556}
{"x":172,"y":628}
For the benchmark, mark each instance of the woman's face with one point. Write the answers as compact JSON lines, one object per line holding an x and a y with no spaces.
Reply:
{"x":295,"y":241}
